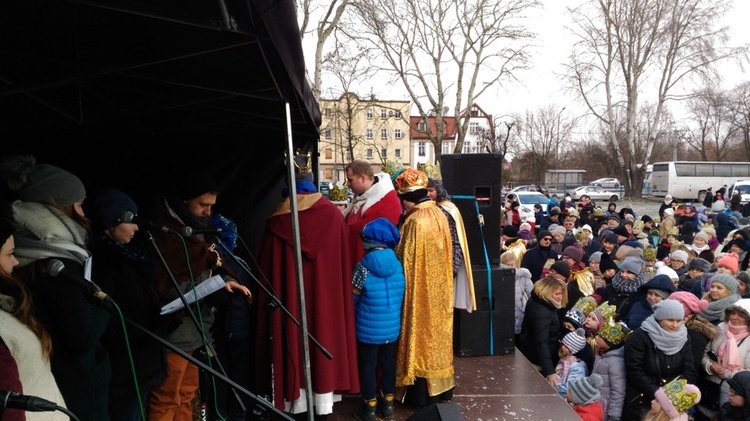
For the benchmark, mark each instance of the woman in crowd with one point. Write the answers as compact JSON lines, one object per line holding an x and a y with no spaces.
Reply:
{"x":647,"y":296}
{"x":657,"y":352}
{"x":726,"y":355}
{"x":738,"y":406}
{"x":722,"y":294}
{"x":25,"y":346}
{"x":541,"y":326}
{"x":51,"y":225}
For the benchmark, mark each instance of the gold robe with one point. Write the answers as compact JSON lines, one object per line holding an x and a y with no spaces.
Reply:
{"x":585,"y":279}
{"x":425,"y":347}
{"x":518,"y":248}
{"x":463,"y":285}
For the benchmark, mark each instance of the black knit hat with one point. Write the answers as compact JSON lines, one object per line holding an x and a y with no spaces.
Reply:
{"x":194,"y":184}
{"x":607,"y":263}
{"x":108,"y":207}
{"x":562,"y":268}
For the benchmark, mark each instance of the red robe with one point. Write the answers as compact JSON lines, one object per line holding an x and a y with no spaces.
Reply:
{"x":388,"y":207}
{"x":328,"y":300}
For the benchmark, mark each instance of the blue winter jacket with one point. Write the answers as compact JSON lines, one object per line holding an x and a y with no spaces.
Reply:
{"x":378,"y":308}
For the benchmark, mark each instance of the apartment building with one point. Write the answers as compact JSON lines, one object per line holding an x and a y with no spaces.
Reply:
{"x":356,"y":128}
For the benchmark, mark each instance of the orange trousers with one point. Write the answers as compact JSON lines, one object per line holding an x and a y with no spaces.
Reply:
{"x":173,"y":399}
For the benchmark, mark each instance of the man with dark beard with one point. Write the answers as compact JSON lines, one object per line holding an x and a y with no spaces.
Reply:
{"x":540,"y":257}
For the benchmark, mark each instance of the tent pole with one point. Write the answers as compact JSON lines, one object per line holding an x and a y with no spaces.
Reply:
{"x":298,"y":261}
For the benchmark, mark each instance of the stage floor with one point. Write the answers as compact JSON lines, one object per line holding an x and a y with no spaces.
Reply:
{"x":499,"y":387}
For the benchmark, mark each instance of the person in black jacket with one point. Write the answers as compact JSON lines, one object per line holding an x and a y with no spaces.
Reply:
{"x":125,"y":273}
{"x":655,"y":354}
{"x":539,"y":257}
{"x":541,"y":326}
{"x":738,"y":407}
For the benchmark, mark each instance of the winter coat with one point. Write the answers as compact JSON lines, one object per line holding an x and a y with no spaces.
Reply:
{"x":539,"y":332}
{"x":642,"y":307}
{"x":611,"y":366}
{"x":577,"y":370}
{"x":648,"y":368}
{"x":624,"y":301}
{"x":377,"y":309}
{"x":744,"y":355}
{"x":723,"y":227}
{"x":535,"y":259}
{"x":590,"y":412}
{"x":523,"y":292}
{"x":730,"y":413}
{"x":701,"y":332}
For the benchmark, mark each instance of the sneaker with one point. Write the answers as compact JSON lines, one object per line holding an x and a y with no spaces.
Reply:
{"x":366,"y":411}
{"x":385,"y":407}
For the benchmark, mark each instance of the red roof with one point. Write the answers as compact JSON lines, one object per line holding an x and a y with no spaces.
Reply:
{"x":448,"y":133}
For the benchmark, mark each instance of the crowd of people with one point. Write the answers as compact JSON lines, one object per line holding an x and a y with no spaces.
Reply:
{"x":648,"y":311}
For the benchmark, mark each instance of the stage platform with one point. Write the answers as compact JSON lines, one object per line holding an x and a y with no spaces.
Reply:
{"x":499,"y":387}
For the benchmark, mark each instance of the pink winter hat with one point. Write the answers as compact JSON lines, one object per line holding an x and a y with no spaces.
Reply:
{"x":691,"y":303}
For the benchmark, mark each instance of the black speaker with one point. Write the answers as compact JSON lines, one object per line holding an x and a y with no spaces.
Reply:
{"x":495,"y":313}
{"x":473,"y":181}
{"x":438,"y":412}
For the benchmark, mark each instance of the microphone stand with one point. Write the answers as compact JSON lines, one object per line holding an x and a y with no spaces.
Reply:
{"x":207,"y":344}
{"x":274,"y":299}
{"x":216,"y":374}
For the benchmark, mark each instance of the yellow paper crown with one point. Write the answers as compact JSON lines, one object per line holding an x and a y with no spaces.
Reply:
{"x":586,"y":305}
{"x":614,"y":333}
{"x":708,"y":225}
{"x":606,"y":310}
{"x":678,"y":393}
{"x":432,"y":170}
{"x":598,"y":211}
{"x":649,"y":253}
{"x":338,"y":194}
{"x":673,"y":231}
{"x":638,"y":224}
{"x":393,"y":168}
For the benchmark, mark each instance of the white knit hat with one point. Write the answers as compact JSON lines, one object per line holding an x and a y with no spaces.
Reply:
{"x":575,"y":340}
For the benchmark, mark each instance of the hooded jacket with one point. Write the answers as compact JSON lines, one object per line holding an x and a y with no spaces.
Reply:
{"x":740,"y":382}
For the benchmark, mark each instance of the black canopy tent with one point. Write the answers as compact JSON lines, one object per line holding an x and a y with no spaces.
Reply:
{"x":123,"y":92}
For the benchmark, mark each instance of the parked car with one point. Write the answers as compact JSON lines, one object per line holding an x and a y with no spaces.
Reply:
{"x":744,"y":187}
{"x":611,"y":183}
{"x":528,"y":199}
{"x":595,"y":193}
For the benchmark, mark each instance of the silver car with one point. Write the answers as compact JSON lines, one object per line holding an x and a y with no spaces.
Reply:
{"x":595,"y":193}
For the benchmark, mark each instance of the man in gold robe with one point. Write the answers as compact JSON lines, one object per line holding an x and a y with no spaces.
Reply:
{"x":424,"y":361}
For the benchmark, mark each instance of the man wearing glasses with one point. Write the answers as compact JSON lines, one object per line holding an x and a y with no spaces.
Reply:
{"x":541,"y":256}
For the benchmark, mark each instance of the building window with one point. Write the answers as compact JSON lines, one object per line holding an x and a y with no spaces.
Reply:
{"x":397,"y":133}
{"x":369,"y":113}
{"x":369,"y":153}
{"x":422,"y":126}
{"x":383,"y":113}
{"x":398,"y":114}
{"x":369,"y":133}
{"x":328,"y":113}
{"x":466,"y":148}
{"x":397,"y":153}
{"x":329,"y":153}
{"x":329,"y":173}
{"x":384,"y":133}
{"x":328,"y":134}
{"x":384,"y":153}
{"x":421,"y":149}
{"x":474,"y":127}
{"x":446,"y":148}
{"x":348,"y":155}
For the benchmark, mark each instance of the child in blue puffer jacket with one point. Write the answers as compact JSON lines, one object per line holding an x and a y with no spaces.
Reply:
{"x":379,"y":286}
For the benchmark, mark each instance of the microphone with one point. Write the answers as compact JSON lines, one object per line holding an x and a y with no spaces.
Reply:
{"x":131,"y":218}
{"x":13,"y":400}
{"x":91,"y":290}
{"x":188,"y":231}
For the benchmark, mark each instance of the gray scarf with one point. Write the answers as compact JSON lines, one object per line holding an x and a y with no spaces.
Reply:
{"x":44,"y":231}
{"x":716,"y":308}
{"x":669,"y":343}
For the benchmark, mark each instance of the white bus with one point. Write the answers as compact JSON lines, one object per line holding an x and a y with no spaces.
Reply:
{"x":688,"y":180}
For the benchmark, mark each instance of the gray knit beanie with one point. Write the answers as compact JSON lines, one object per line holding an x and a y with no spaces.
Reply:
{"x":595,"y":256}
{"x":632,"y":264}
{"x":585,"y":390}
{"x":700,"y":264}
{"x":575,"y":340}
{"x":728,"y":281}
{"x":42,"y":183}
{"x":669,"y":309}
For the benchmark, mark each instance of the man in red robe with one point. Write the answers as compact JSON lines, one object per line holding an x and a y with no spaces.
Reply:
{"x":329,"y":305}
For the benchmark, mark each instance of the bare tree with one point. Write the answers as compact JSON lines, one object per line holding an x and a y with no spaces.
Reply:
{"x":710,"y":128}
{"x":328,"y":14}
{"x":544,"y":135}
{"x":627,"y":48}
{"x":436,"y":48}
{"x":739,"y":107}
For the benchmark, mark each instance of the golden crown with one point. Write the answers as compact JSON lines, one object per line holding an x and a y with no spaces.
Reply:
{"x":410,"y":180}
{"x":393,"y":168}
{"x":338,"y":194}
{"x":614,"y":333}
{"x":649,"y":253}
{"x":586,"y":305}
{"x":673,"y":231}
{"x":432,"y":170}
{"x":598,"y":211}
{"x":606,"y":310}
{"x":681,"y":398}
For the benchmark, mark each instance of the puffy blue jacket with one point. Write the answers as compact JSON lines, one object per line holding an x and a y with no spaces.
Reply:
{"x":378,"y":308}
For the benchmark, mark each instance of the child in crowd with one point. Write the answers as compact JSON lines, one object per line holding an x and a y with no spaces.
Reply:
{"x":583,"y":395}
{"x":673,"y":401}
{"x":649,"y":259}
{"x":570,"y":367}
{"x":678,"y":260}
{"x":522,"y":290}
{"x":697,"y":271}
{"x":379,"y":286}
{"x":738,"y":407}
{"x":610,"y":365}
